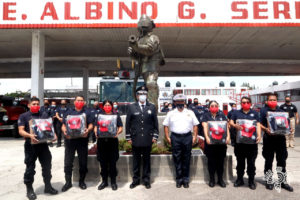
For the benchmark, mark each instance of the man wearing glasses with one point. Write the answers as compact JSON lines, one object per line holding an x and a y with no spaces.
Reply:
{"x":247,"y":149}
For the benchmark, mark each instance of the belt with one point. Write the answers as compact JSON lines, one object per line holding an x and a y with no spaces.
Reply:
{"x":181,"y":134}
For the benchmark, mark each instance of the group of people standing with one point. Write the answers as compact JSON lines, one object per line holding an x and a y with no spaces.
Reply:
{"x":181,"y":128}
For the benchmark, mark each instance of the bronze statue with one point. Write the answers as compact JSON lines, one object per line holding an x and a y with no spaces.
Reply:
{"x":146,"y":51}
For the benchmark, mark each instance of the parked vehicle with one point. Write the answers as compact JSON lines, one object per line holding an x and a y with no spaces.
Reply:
{"x":10,"y":110}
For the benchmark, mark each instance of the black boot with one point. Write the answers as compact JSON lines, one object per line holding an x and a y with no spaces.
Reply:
{"x":104,"y":184}
{"x":49,"y":189}
{"x":114,"y":185}
{"x":239,"y":181}
{"x":211,"y":181}
{"x":220,"y":181}
{"x":68,"y":183}
{"x":287,"y":187}
{"x":251,"y":183}
{"x":30,"y":193}
{"x":82,"y":184}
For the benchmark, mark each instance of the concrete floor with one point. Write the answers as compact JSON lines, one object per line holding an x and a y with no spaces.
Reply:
{"x":12,"y":169}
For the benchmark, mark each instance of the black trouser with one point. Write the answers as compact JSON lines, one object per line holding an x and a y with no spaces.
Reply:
{"x":271,"y":145}
{"x":232,"y":132}
{"x":58,"y":131}
{"x":181,"y":151}
{"x":108,"y":155}
{"x":81,"y":146}
{"x":215,"y":154}
{"x":32,"y":153}
{"x":243,"y":152}
{"x":137,"y":153}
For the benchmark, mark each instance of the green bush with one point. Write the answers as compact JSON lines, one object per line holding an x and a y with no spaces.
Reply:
{"x":156,"y":149}
{"x":122,"y":142}
{"x":167,"y":146}
{"x":127,"y":147}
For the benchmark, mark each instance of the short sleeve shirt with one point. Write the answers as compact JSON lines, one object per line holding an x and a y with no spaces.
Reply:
{"x":263,"y":115}
{"x":251,"y":115}
{"x":27,"y":116}
{"x":119,"y":120}
{"x":62,"y":111}
{"x":291,"y":109}
{"x":90,"y":118}
{"x":181,"y":122}
{"x":219,"y":117}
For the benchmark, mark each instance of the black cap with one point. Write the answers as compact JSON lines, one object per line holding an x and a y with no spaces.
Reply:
{"x":141,"y":89}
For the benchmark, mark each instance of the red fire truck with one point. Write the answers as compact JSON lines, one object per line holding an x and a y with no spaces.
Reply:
{"x":10,"y":110}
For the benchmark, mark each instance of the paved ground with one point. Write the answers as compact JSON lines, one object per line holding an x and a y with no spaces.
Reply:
{"x":12,"y":187}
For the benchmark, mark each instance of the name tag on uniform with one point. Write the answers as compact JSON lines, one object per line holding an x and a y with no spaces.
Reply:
{"x":136,"y":113}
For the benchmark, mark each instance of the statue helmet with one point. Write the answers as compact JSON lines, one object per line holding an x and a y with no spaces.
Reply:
{"x":145,"y":24}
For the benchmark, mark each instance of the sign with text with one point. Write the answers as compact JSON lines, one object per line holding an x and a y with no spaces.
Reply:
{"x":166,"y":13}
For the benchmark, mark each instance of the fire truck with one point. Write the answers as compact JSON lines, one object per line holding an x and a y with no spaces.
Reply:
{"x":10,"y":110}
{"x":119,"y":90}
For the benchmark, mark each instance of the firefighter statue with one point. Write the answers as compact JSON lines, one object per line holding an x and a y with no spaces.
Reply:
{"x":145,"y":50}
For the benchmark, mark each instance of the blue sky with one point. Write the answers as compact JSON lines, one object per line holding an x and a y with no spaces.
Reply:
{"x":12,"y":85}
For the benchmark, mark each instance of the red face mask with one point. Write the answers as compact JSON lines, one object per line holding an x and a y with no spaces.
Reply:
{"x":34,"y":109}
{"x":79,"y":104}
{"x":213,"y":109}
{"x":246,"y":106}
{"x":272,"y":104}
{"x":107,"y":109}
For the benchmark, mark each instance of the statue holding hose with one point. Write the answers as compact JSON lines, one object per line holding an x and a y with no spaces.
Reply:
{"x":145,"y":49}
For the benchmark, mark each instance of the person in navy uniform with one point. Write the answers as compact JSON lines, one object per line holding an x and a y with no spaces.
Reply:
{"x":243,"y":151}
{"x":141,"y":132}
{"x":79,"y":144}
{"x":294,"y":119}
{"x":273,"y":143}
{"x":215,"y":153}
{"x":46,"y":107}
{"x":232,"y":129}
{"x":183,"y":125}
{"x":165,"y":107}
{"x":52,"y":112}
{"x":108,"y":149}
{"x":35,"y":151}
{"x":199,"y":112}
{"x":194,"y":105}
{"x":60,"y":112}
{"x":95,"y":110}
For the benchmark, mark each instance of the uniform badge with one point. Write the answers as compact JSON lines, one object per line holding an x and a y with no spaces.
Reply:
{"x":252,"y":115}
{"x":292,"y":107}
{"x":284,"y":107}
{"x":221,"y":118}
{"x":136,"y":113}
{"x":149,"y":112}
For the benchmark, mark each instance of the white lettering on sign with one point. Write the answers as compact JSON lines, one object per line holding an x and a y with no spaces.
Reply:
{"x":117,"y":13}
